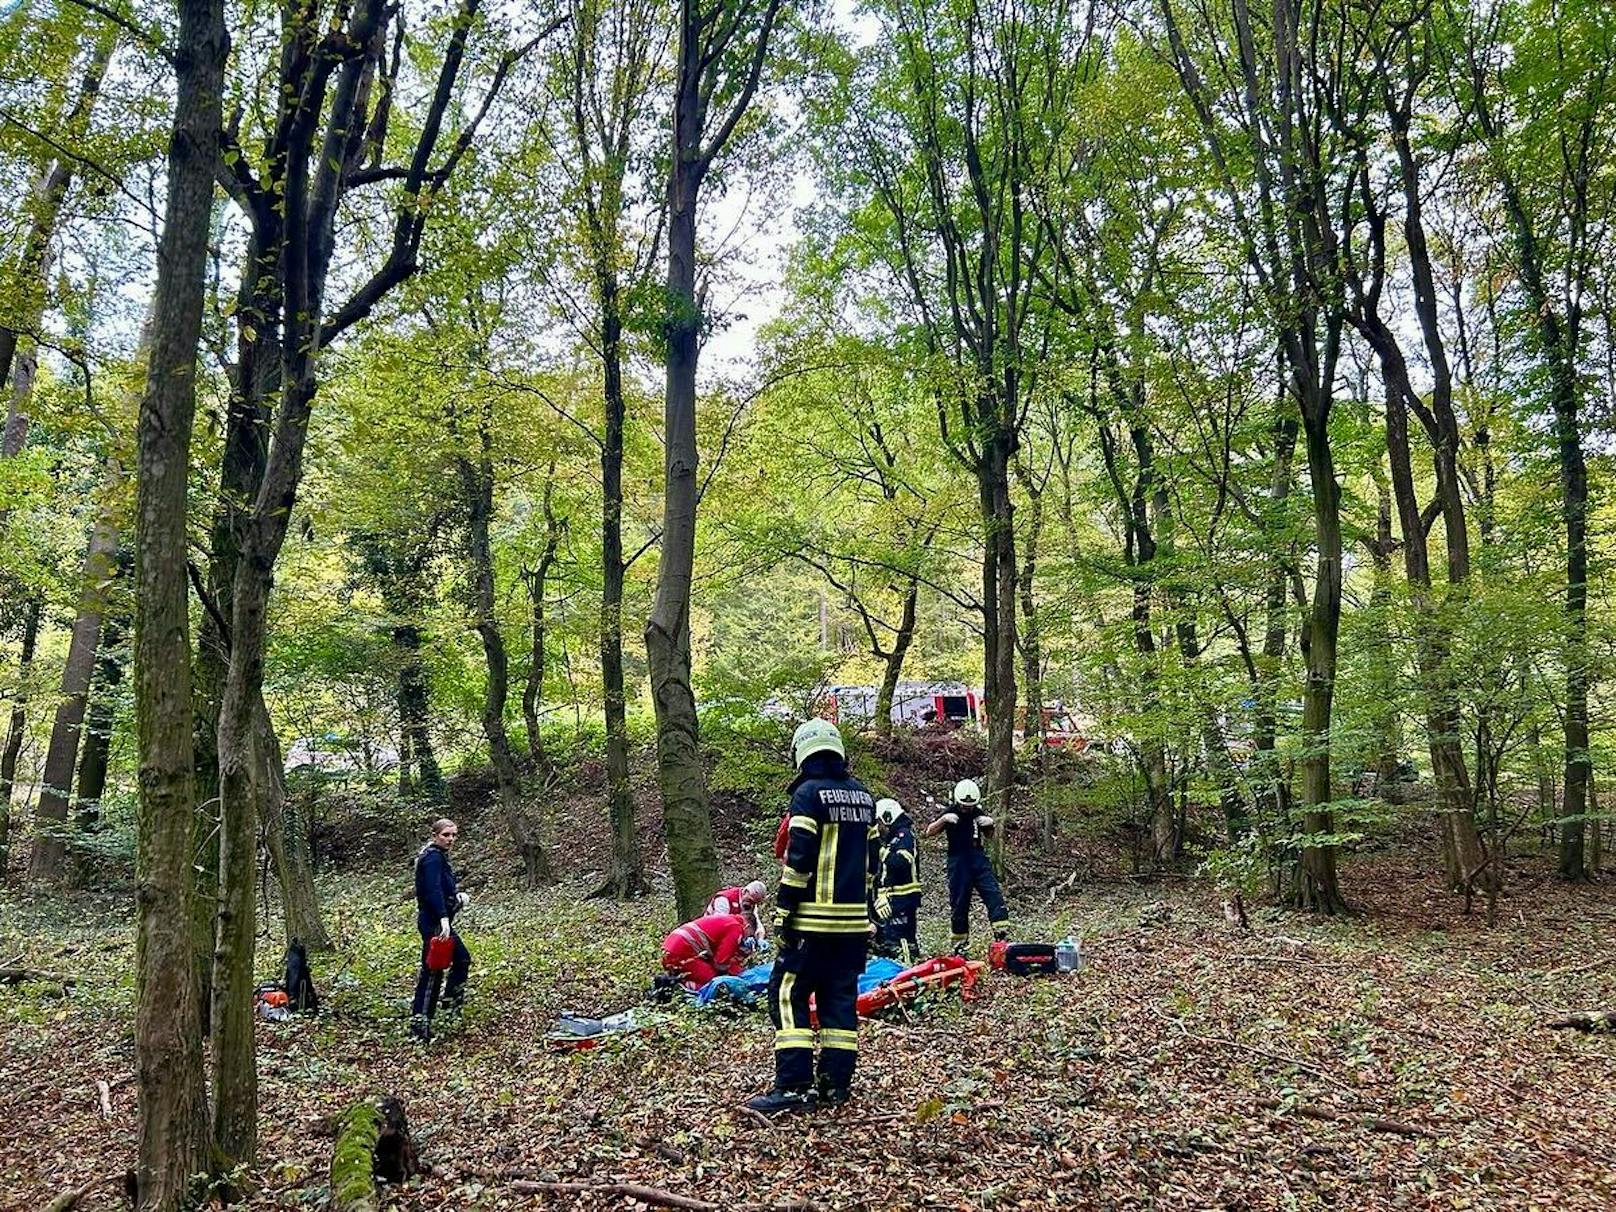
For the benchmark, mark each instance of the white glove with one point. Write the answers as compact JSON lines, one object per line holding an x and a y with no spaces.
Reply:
{"x":443,"y":927}
{"x":883,"y":908}
{"x":949,"y":818}
{"x":985,"y":821}
{"x":464,"y":898}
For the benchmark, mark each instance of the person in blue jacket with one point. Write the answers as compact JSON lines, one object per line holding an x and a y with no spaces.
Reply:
{"x":437,"y":899}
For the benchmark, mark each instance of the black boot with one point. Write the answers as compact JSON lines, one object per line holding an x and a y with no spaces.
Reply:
{"x":421,"y":1028}
{"x":830,"y":1095}
{"x":782,"y":1102}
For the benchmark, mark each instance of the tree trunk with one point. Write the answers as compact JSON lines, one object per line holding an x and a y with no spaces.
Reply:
{"x":16,"y":730}
{"x":50,"y":191}
{"x":1152,"y":753}
{"x":533,"y":690}
{"x":414,"y":710}
{"x":99,"y":724}
{"x":168,"y":1033}
{"x":286,"y":837}
{"x":1319,"y":889}
{"x":1461,"y":843}
{"x":1557,"y":317}
{"x":626,"y":878}
{"x":1574,"y":510}
{"x":537,"y":581}
{"x":235,"y":1068}
{"x":1032,"y":657}
{"x":61,"y":757}
{"x":478,"y":482}
{"x":1386,"y":719}
{"x":686,"y":817}
{"x":893,"y":659}
{"x":25,"y":367}
{"x":1000,"y":573}
{"x":1273,"y":782}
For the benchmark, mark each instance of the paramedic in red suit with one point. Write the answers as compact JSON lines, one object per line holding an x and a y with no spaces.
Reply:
{"x":745,"y":901}
{"x":711,"y":946}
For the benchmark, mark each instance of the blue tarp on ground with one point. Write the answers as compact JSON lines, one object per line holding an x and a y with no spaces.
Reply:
{"x":749,"y":985}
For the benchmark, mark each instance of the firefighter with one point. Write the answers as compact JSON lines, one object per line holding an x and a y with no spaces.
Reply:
{"x":437,"y":899}
{"x":714,"y":945}
{"x":897,"y":903}
{"x":969,"y":869}
{"x":745,"y":901}
{"x":822,"y":925}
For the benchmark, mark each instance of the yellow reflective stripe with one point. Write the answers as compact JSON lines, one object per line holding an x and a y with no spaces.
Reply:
{"x":830,"y":1037}
{"x":825,"y":889}
{"x":788,"y":1018}
{"x":835,"y":909}
{"x":792,"y":878}
{"x":830,"y":926}
{"x":904,"y":890}
{"x":958,"y":938}
{"x":784,"y":1039}
{"x":805,"y":823}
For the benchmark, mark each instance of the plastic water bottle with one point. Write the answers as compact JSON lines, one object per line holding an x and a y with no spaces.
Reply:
{"x":1068,"y":955}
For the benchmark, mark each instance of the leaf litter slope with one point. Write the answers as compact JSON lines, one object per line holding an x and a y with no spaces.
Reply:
{"x":1396,"y":1061}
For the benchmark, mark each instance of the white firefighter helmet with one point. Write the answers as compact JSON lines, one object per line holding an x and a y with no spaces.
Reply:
{"x":816,"y":736}
{"x":887,"y":811}
{"x":967,"y":794}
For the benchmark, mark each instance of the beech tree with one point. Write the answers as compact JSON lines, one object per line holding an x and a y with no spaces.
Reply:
{"x":168,"y":1026}
{"x":334,"y":97}
{"x":602,"y":80}
{"x":718,"y":66}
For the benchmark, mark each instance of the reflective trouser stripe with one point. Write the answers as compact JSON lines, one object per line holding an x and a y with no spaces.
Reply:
{"x":832,"y":1038}
{"x":788,"y":1020}
{"x":697,"y":938}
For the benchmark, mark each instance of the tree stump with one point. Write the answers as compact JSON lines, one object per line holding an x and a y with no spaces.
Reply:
{"x":373,"y":1145}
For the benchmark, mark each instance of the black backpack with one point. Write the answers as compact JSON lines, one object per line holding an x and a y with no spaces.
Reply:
{"x":299,"y":982}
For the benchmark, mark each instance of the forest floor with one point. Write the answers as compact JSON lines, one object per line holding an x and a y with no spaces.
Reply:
{"x":1395,"y":1059}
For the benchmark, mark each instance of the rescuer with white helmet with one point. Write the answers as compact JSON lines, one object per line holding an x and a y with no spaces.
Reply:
{"x":897,"y":899}
{"x":969,"y":868}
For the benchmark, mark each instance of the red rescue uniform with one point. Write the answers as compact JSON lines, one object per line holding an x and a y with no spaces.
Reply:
{"x":707,"y":947}
{"x":725,"y":900}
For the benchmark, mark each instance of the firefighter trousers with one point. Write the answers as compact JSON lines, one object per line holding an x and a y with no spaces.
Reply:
{"x":968,"y":873}
{"x":825,"y":967}
{"x":899,"y":935}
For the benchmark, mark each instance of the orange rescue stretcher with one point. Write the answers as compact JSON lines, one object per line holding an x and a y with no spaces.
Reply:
{"x":944,"y":972}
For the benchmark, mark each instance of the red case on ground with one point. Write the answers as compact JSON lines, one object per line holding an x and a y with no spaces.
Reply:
{"x":1029,"y":959}
{"x":439,"y":953}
